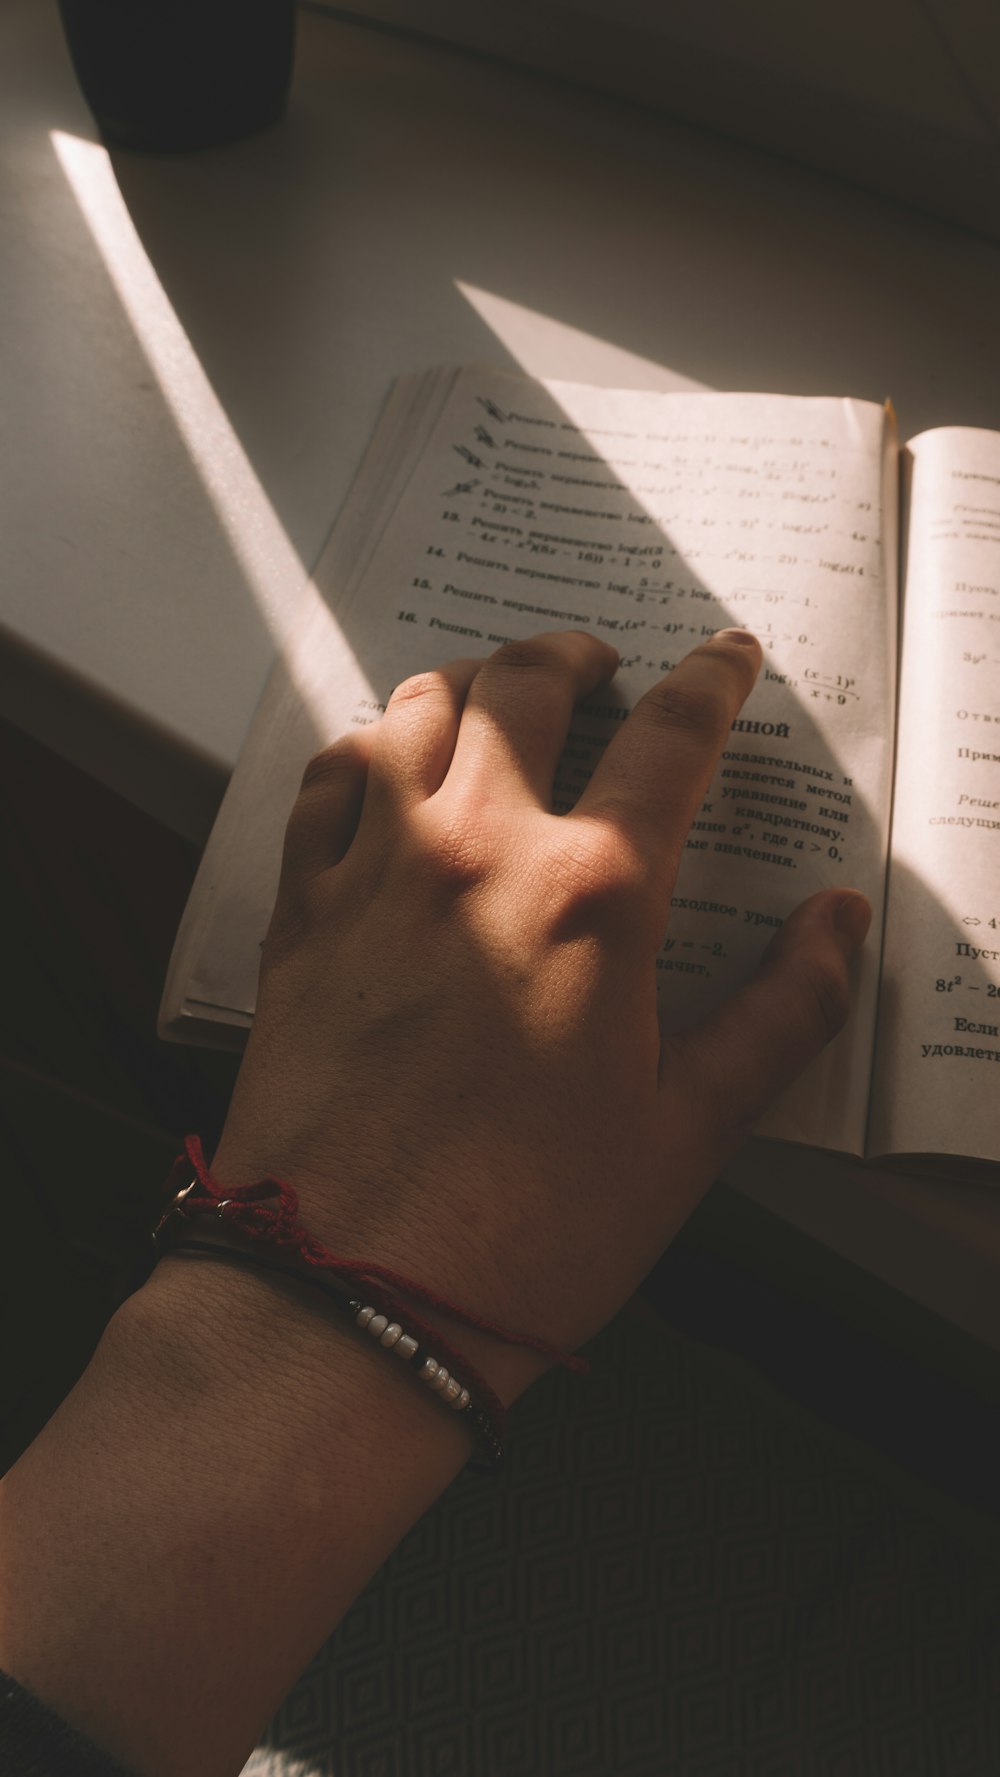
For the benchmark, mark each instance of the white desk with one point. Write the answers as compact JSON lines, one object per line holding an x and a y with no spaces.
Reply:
{"x":194,"y":351}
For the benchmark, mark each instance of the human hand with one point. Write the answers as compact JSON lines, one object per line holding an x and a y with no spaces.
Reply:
{"x":456,"y":1060}
{"x":456,"y":1056}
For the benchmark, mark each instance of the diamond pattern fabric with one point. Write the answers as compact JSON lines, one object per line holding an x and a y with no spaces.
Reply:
{"x":681,"y":1574}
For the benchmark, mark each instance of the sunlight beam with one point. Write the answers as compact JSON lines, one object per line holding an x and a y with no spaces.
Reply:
{"x":543,"y":346}
{"x":270,"y":565}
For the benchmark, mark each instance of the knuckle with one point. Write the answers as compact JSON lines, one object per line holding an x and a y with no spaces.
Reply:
{"x":334,"y":763}
{"x":454,"y":850}
{"x":593,"y":878}
{"x":524,"y":657}
{"x":419,"y":687}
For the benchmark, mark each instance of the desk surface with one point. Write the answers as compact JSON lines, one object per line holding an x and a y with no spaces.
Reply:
{"x":195,"y":350}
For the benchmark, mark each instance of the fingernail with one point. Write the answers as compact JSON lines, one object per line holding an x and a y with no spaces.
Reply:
{"x":742,"y":636}
{"x":852,"y":917}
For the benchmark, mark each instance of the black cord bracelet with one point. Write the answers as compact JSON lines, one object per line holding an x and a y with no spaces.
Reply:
{"x":390,"y":1335}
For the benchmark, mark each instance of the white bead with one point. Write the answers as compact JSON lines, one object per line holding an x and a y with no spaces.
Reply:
{"x":429,"y":1370}
{"x":377,"y":1325}
{"x":365,"y":1316}
{"x":406,"y":1345}
{"x":392,"y":1333}
{"x":452,"y":1389}
{"x":463,"y":1400}
{"x":441,"y":1380}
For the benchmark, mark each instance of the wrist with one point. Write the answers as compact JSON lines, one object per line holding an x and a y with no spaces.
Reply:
{"x":199,"y":1513}
{"x":443,"y":1298}
{"x":267,"y":1344}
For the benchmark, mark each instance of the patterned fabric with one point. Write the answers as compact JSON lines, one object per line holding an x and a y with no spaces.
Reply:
{"x":681,"y":1575}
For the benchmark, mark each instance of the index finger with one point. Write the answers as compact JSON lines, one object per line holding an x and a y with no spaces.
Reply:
{"x":652,"y":778}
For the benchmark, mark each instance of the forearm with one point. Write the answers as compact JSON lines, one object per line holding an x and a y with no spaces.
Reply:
{"x":201,"y":1511}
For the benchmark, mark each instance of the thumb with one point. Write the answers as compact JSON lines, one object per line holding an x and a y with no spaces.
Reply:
{"x":737,"y":1063}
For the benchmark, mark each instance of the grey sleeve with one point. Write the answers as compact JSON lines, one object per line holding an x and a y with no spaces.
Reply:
{"x":36,"y":1742}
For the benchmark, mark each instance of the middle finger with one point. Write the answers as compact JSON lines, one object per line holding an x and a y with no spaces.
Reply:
{"x":518,"y":710}
{"x":652,"y":778}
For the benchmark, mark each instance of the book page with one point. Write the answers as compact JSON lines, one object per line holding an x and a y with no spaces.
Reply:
{"x":939,"y":1017}
{"x":211,"y":984}
{"x":655,"y":520}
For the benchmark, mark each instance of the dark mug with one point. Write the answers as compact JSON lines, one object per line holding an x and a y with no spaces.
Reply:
{"x":175,"y":74}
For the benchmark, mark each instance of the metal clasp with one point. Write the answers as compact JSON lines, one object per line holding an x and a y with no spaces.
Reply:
{"x":172,"y":1209}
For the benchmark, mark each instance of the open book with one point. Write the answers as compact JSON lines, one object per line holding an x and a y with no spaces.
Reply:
{"x":490,"y":506}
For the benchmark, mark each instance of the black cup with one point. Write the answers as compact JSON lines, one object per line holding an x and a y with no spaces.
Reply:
{"x":177,"y":74}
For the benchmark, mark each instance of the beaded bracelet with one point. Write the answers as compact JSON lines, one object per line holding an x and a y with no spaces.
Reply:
{"x":388,"y":1334}
{"x":240,"y":1210}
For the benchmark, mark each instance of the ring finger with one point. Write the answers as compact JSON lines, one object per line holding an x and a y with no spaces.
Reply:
{"x":413,"y":743}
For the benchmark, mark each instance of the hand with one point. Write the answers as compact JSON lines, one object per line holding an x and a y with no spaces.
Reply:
{"x":456,"y":1056}
{"x":456,"y":1060}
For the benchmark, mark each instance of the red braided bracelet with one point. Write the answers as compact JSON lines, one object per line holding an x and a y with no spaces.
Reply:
{"x":240,"y":1209}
